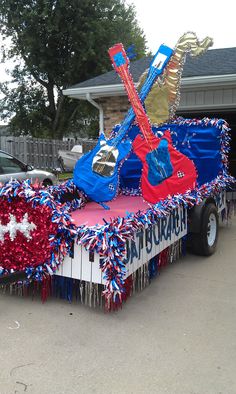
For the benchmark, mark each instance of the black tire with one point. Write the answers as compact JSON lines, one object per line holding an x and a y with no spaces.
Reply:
{"x":47,"y":182}
{"x":205,"y":242}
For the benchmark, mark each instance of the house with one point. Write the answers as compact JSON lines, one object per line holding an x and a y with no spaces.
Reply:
{"x":208,"y":88}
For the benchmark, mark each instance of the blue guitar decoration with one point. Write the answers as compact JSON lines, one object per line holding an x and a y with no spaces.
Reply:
{"x":159,"y":164}
{"x":96,"y":173}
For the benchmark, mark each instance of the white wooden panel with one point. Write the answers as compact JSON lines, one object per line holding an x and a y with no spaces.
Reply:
{"x":183,"y":222}
{"x":175,"y":213}
{"x":66,"y":269}
{"x":149,"y":244}
{"x":59,"y":271}
{"x":141,"y":249}
{"x":76,"y":262}
{"x":163,"y":223}
{"x":199,"y":97}
{"x":220,"y":200}
{"x":134,"y":253}
{"x":209,"y":97}
{"x":96,"y":271}
{"x":156,"y":238}
{"x":103,"y":281}
{"x":183,"y":100}
{"x":206,"y":98}
{"x":129,"y":267}
{"x":234,"y":96}
{"x":227,"y":96}
{"x":191,"y":98}
{"x":86,"y":266}
{"x":218,"y":96}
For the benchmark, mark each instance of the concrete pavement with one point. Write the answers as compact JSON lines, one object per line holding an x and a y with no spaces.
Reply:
{"x":177,"y":337}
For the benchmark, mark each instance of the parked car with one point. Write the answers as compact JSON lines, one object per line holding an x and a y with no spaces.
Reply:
{"x":10,"y":167}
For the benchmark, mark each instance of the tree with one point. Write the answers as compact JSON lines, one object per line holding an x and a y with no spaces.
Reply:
{"x":59,"y":43}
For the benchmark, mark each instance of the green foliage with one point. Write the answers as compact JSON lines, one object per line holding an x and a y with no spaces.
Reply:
{"x":60,"y":43}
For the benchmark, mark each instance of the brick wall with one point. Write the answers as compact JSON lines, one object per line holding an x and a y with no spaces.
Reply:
{"x":115,"y":108}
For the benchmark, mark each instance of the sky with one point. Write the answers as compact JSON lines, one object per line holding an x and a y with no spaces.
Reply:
{"x":167,"y":20}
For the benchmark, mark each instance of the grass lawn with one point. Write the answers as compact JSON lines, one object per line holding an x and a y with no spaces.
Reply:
{"x":65,"y":175}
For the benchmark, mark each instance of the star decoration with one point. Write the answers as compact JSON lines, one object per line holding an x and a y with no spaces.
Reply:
{"x":13,"y":226}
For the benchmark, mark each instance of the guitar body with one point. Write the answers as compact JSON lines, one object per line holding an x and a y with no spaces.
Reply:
{"x":182,"y":177}
{"x":159,"y":163}
{"x":97,"y":187}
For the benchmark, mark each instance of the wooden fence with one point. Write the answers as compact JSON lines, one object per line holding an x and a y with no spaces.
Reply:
{"x":40,"y":153}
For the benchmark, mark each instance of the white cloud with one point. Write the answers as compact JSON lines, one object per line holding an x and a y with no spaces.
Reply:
{"x":165,"y":21}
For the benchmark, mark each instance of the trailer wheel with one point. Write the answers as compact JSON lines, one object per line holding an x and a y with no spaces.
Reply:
{"x":204,"y":243}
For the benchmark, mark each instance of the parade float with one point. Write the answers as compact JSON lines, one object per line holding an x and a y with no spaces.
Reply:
{"x":155,"y":185}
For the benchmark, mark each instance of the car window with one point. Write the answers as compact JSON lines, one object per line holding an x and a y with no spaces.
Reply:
{"x":10,"y":165}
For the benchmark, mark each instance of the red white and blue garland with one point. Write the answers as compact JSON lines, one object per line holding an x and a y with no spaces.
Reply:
{"x":36,"y":230}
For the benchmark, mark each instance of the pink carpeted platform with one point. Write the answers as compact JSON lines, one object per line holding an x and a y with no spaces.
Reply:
{"x":94,"y":213}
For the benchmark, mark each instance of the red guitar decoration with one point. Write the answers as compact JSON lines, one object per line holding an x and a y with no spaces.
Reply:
{"x":183,"y":176}
{"x":166,"y":171}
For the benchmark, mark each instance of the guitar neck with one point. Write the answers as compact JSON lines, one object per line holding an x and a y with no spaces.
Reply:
{"x":135,"y":101}
{"x":151,"y":78}
{"x":129,"y":118}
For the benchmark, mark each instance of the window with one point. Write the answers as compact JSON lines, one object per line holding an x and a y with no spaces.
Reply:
{"x":10,"y":165}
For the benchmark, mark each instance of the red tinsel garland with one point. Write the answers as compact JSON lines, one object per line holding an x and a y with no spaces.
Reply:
{"x":22,"y":252}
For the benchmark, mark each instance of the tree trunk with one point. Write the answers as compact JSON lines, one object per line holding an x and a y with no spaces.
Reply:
{"x":58,"y":111}
{"x":51,"y":99}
